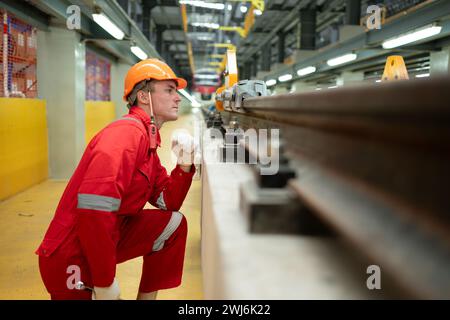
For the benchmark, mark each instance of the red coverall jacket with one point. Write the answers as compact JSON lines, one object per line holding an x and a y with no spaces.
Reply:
{"x":116,"y":176}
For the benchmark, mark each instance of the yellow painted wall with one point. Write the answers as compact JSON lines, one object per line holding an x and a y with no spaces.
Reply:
{"x":23,"y":144}
{"x":97,"y":114}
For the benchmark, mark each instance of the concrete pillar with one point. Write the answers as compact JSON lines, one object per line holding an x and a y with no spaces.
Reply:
{"x":63,"y":88}
{"x":281,"y":47}
{"x":308,"y":29}
{"x":440,"y":62}
{"x":159,"y":39}
{"x":266,"y":57}
{"x":254,"y":66}
{"x":352,"y":26}
{"x":165,"y":46}
{"x":245,"y":71}
{"x":353,"y":12}
{"x":350,"y":78}
{"x":248,"y":70}
{"x":146,"y":16}
{"x":118,"y":73}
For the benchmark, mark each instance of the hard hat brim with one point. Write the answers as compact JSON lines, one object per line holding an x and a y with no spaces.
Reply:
{"x":181,"y":84}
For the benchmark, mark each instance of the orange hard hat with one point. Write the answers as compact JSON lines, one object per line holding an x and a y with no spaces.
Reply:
{"x":150,"y":69}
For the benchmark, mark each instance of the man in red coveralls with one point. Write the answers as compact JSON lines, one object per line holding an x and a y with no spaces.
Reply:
{"x":100,"y":220}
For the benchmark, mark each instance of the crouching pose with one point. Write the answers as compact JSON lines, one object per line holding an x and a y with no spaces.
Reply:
{"x":100,"y":220}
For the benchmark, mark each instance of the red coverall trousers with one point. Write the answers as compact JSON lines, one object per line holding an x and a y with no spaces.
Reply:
{"x":161,"y":269}
{"x":100,"y":220}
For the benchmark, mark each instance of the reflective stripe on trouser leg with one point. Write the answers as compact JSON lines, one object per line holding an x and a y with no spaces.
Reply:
{"x":164,"y":269}
{"x":171,"y":226}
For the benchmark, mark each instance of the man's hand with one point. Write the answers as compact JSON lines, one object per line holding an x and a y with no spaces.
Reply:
{"x":184,"y":148}
{"x":107,"y":293}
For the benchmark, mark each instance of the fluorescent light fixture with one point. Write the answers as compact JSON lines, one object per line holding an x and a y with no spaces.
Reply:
{"x":257,"y":12}
{"x":138,"y":52}
{"x":206,"y":76}
{"x":318,"y":89}
{"x":422,"y":68}
{"x":423,"y":75}
{"x":194,"y":102}
{"x":230,"y":7}
{"x":416,"y":35}
{"x":305,"y":71}
{"x":342,"y":59}
{"x":332,"y":87}
{"x":243,"y":9}
{"x":377,"y":81}
{"x":285,"y":77}
{"x":206,"y":25}
{"x":109,"y":26}
{"x":206,"y":83}
{"x":271,"y":82}
{"x":203,"y":4}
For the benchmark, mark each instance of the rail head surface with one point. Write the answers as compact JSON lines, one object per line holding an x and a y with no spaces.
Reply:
{"x":409,"y":98}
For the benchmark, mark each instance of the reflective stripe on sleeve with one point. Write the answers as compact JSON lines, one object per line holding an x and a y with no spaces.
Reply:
{"x":96,"y":202}
{"x":170,"y":228}
{"x":160,"y":202}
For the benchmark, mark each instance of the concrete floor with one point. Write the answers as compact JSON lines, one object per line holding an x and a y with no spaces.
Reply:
{"x":24,"y":218}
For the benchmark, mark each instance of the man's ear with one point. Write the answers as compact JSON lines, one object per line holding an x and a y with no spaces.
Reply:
{"x":142,"y":96}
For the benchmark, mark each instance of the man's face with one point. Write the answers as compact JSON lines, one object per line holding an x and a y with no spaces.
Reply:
{"x":165,"y":100}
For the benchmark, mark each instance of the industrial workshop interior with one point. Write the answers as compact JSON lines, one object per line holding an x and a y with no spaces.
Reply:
{"x":225,"y":150}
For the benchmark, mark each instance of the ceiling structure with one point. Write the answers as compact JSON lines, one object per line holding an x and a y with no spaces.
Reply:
{"x":276,"y":40}
{"x":280,"y":18}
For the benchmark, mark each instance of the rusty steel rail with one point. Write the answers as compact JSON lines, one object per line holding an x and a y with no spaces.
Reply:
{"x":374,"y":163}
{"x":414,"y":255}
{"x":403,"y":98}
{"x":386,"y":111}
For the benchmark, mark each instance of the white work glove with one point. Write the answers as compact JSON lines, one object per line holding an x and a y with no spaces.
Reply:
{"x":183,"y":147}
{"x":107,"y":293}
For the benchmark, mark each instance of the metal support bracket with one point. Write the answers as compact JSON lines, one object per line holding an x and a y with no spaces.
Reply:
{"x":277,"y":211}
